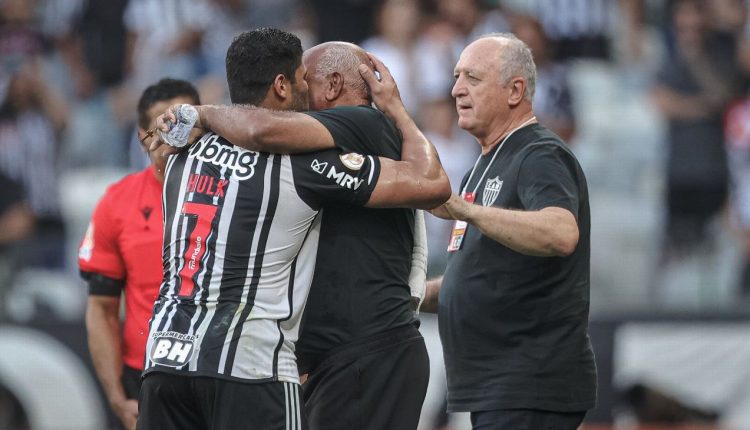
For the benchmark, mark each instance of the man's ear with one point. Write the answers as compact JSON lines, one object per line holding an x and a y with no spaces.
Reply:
{"x":281,"y":87}
{"x":334,"y":86}
{"x":517,"y":88}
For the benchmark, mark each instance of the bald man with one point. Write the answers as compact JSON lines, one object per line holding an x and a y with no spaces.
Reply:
{"x":367,"y":362}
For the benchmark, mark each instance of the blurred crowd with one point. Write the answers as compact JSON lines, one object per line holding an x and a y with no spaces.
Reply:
{"x":71,"y":71}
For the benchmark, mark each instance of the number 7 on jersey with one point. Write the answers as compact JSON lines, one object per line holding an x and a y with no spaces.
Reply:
{"x":196,"y":248}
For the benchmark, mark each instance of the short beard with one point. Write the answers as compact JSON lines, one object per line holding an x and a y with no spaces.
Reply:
{"x":300,"y":103}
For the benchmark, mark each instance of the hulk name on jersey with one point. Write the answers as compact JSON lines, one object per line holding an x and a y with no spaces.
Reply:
{"x":240,"y":240}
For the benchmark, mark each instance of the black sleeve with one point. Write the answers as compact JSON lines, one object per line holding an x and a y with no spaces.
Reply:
{"x":548,"y":177}
{"x":100,"y":285}
{"x":361,"y":129}
{"x":331,"y":176}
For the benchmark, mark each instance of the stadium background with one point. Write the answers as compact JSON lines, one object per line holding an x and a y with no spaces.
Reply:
{"x":669,"y":320}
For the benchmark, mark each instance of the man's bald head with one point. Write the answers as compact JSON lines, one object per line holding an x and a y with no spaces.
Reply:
{"x":333,"y":75}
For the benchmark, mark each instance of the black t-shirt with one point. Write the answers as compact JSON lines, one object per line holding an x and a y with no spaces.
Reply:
{"x":360,"y":287}
{"x":513,"y":326}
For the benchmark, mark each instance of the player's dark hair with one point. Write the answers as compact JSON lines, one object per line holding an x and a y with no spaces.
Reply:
{"x":165,"y":89}
{"x":255,"y":58}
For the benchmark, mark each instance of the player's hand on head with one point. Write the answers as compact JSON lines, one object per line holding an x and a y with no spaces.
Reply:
{"x":384,"y":91}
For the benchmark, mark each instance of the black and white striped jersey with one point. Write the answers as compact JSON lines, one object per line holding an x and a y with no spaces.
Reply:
{"x":240,"y":241}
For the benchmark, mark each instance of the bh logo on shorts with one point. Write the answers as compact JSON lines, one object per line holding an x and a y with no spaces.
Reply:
{"x":171,"y":349}
{"x":491,"y":191}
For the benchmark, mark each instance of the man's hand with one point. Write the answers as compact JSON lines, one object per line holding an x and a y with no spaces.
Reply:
{"x":164,"y":123}
{"x":384,"y":91}
{"x":455,"y":208}
{"x":127,"y":411}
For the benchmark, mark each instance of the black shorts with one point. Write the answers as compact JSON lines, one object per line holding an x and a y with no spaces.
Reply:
{"x":378,"y":383}
{"x":178,"y":402}
{"x":131,"y":382}
{"x":526,"y":419}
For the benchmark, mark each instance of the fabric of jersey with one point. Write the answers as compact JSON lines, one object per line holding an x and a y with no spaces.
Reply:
{"x":241,"y":236}
{"x":514,"y":327}
{"x":123,"y":242}
{"x":360,"y":287}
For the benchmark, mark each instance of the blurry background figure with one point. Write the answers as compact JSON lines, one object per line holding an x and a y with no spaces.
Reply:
{"x":578,"y":28}
{"x":16,"y":223}
{"x":693,"y":90}
{"x":458,"y":154}
{"x":553,"y":102}
{"x":348,"y":20}
{"x":32,"y":116}
{"x":397,"y":23}
{"x":738,"y":146}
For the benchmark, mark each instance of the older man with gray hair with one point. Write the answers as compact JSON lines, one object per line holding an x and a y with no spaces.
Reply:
{"x":514,"y":300}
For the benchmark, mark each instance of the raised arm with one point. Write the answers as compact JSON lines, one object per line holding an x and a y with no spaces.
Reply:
{"x":265,"y":130}
{"x":418,"y":179}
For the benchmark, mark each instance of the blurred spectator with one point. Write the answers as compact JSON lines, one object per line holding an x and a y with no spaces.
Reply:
{"x":553,"y":102}
{"x":397,"y":26}
{"x":471,"y":19}
{"x":347,"y":20}
{"x":458,"y":154}
{"x":32,"y":116}
{"x":738,"y":145}
{"x":16,"y":223}
{"x":91,"y":39}
{"x":578,"y":28}
{"x":693,"y":90}
{"x":164,"y":39}
{"x":93,"y":45}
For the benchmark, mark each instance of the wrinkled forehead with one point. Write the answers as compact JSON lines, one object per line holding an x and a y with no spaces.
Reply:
{"x":481,"y":55}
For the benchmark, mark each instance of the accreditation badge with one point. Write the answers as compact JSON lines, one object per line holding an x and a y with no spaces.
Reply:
{"x":459,"y":227}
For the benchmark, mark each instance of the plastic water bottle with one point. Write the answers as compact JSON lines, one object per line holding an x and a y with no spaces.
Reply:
{"x":178,"y":133}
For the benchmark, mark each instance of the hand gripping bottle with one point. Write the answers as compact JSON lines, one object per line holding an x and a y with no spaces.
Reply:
{"x":178,"y":133}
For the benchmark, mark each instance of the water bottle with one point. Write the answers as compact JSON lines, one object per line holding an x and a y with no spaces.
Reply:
{"x":178,"y":133}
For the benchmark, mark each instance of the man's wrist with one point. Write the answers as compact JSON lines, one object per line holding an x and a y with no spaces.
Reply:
{"x":203,"y":113}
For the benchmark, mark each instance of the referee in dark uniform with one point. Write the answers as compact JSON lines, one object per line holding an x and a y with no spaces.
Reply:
{"x":367,"y":363}
{"x":514,"y":300}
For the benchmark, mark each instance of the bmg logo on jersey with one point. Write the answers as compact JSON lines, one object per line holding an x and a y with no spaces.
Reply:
{"x":240,"y":161}
{"x":171,"y":349}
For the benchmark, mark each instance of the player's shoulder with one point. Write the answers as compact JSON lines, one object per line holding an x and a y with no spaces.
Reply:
{"x":543,"y":139}
{"x":356,"y":112}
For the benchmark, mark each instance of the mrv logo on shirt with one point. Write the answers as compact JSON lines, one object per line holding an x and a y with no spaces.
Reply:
{"x":171,"y":349}
{"x":240,"y":161}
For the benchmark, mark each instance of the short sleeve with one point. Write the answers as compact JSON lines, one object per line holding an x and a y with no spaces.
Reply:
{"x":99,"y":252}
{"x":334,"y":177}
{"x":548,"y":177}
{"x":361,"y":129}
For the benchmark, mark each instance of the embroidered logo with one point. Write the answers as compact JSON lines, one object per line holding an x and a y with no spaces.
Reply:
{"x":491,"y":191}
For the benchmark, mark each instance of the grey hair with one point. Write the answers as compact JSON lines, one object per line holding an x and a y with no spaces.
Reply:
{"x":516,"y":60}
{"x":342,"y":59}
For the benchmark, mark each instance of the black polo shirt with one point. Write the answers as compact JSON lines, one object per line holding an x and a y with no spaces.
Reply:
{"x":360,"y":287}
{"x":513,"y":326}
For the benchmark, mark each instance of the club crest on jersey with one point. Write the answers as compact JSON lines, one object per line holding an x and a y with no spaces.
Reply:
{"x":353,"y":160}
{"x":171,"y":349}
{"x":318,"y":166}
{"x":239,"y":160}
{"x":491,"y":191}
{"x":87,"y":246}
